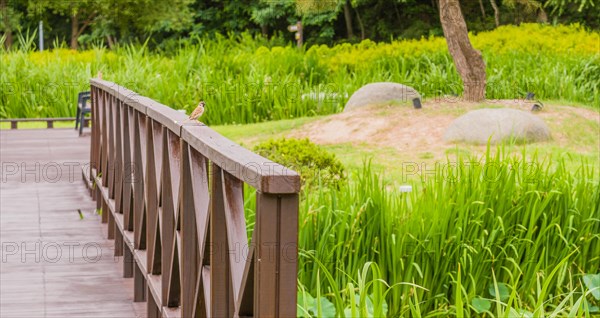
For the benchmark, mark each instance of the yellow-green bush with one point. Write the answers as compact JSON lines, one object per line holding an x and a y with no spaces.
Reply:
{"x":315,"y":165}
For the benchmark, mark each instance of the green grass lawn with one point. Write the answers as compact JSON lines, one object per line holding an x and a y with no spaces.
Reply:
{"x":250,"y":134}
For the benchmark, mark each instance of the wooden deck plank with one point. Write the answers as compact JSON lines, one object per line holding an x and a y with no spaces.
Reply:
{"x":54,"y":263}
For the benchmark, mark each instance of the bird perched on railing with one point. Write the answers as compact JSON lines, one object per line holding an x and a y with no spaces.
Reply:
{"x":197,"y":113}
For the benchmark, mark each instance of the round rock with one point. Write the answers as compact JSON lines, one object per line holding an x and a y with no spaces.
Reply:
{"x":497,"y":125}
{"x":381,"y":93}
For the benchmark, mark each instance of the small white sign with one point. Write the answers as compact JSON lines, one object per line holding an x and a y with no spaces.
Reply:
{"x":405,"y":188}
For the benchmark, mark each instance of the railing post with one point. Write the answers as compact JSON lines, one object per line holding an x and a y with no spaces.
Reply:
{"x":140,"y":286}
{"x":112,"y":155}
{"x":275,"y":275}
{"x":170,"y":235}
{"x":220,"y":270}
{"x":153,"y":164}
{"x":189,"y":233}
{"x":118,"y":164}
{"x":129,"y":171}
{"x":128,"y":261}
{"x":93,"y":142}
{"x":139,"y":188}
{"x":103,"y":138}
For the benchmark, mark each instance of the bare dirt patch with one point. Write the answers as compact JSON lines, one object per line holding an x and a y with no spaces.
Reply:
{"x":421,"y":131}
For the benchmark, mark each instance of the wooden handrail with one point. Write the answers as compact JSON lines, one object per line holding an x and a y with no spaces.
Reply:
{"x":172,"y":193}
{"x":49,"y":121}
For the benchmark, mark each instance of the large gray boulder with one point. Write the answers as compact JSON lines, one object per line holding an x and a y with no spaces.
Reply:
{"x":501,"y":124}
{"x":381,"y":93}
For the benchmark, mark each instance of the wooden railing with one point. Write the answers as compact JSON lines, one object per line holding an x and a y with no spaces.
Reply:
{"x":172,"y":193}
{"x":49,"y":121}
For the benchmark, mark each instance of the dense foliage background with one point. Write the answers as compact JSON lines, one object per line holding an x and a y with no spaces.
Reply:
{"x":248,"y":79}
{"x":113,"y":22}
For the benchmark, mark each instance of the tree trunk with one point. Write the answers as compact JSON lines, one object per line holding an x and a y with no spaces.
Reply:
{"x":467,"y":60}
{"x":74,"y":31}
{"x":362,"y":26}
{"x":8,"y":28}
{"x":496,"y":12}
{"x":542,"y":16}
{"x":482,"y":8}
{"x":8,"y":42}
{"x":264,"y":29}
{"x":348,"y":18}
{"x":111,"y":43}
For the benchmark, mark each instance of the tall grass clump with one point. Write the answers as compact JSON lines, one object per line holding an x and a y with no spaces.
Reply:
{"x":245,"y":79}
{"x":496,"y":235}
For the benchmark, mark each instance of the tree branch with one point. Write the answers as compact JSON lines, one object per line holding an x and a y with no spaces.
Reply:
{"x":86,"y":23}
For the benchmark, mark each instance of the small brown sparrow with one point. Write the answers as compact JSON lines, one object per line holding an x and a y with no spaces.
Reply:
{"x":197,"y":113}
{"x":99,"y":75}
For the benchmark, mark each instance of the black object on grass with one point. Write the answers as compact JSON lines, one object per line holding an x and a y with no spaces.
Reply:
{"x":536,"y":107}
{"x":530,"y":96}
{"x":416,"y":102}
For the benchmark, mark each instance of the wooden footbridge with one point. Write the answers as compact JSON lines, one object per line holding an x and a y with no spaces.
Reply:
{"x":158,"y":226}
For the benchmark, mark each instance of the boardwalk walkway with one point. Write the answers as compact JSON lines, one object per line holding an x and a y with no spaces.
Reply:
{"x":55,"y":263}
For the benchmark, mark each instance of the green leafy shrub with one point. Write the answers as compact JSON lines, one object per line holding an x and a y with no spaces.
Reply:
{"x":314,"y":164}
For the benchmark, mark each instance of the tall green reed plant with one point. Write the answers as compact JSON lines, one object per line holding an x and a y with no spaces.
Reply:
{"x":245,"y":79}
{"x":512,"y":222}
